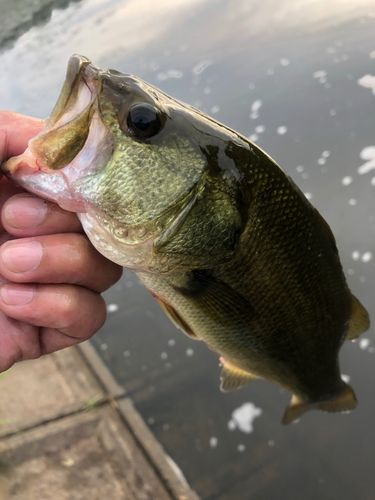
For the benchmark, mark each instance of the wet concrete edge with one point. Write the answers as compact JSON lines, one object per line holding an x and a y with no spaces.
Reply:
{"x":163,"y":465}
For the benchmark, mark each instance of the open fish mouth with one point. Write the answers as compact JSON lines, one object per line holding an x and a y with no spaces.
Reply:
{"x":66,"y":148}
{"x":67,"y":129}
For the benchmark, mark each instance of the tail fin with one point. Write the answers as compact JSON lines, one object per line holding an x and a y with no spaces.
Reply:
{"x":359,"y":321}
{"x":345,"y":401}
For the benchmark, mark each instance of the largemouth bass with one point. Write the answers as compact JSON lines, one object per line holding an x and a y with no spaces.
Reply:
{"x":219,"y":234}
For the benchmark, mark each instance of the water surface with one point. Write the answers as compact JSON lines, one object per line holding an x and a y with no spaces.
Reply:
{"x":297,"y":78}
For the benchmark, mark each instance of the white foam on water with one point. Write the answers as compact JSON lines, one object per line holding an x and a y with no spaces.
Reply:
{"x":111,"y":308}
{"x":320,"y":74}
{"x":347,"y":180}
{"x":171,"y":73}
{"x":367,"y":256}
{"x":368,"y":82}
{"x":260,"y":129}
{"x":364,"y":343}
{"x":256,"y":105}
{"x":201,"y":66}
{"x":284,"y":61}
{"x":232,"y":425}
{"x":367,"y":153}
{"x":243,"y":417}
{"x":282,"y":130}
{"x":213,"y":441}
{"x":356,"y":255}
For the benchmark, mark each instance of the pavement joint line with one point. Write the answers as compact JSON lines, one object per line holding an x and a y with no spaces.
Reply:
{"x":83,"y":409}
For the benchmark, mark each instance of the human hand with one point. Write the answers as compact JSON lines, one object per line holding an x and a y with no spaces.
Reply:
{"x":51,"y":276}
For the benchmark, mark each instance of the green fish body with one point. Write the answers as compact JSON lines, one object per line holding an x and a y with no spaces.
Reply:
{"x":220,"y":235}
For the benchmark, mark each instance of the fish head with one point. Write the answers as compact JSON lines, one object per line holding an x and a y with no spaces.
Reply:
{"x":126,"y":157}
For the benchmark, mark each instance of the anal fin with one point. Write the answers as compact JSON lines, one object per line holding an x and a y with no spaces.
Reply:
{"x":345,"y":401}
{"x":176,"y":318}
{"x":233,"y":377}
{"x":359,"y":321}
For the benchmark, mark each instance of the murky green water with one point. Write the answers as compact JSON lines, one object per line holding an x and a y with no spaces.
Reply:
{"x":298,"y":78}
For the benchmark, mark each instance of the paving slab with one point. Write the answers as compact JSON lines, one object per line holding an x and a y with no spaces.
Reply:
{"x":86,"y":456}
{"x":68,"y":431}
{"x":33,"y":392}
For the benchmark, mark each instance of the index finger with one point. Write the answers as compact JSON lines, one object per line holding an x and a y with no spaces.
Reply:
{"x":27,"y":215}
{"x":15,"y":132}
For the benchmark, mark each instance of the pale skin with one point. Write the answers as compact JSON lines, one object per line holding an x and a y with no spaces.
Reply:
{"x":51,"y":277}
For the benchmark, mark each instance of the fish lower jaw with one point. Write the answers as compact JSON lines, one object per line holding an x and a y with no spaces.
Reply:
{"x":22,"y":165}
{"x":136,"y":256}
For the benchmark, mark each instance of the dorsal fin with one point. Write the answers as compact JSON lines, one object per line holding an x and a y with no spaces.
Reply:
{"x":345,"y":401}
{"x":233,"y":377}
{"x":359,"y":321}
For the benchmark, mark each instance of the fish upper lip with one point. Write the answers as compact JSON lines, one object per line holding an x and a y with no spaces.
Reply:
{"x":71,"y":103}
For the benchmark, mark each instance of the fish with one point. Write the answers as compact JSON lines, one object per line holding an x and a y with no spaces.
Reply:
{"x":220,"y":235}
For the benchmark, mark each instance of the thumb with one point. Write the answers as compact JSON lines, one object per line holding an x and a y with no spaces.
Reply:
{"x":15,"y":132}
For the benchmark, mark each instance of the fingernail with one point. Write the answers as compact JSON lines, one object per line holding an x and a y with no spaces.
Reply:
{"x":25,"y":211}
{"x":17,"y":295}
{"x":20,"y":257}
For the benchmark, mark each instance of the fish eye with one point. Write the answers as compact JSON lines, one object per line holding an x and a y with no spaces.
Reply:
{"x":143,"y":121}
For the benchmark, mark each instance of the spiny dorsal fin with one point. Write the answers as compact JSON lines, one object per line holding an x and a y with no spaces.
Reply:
{"x":233,"y":377}
{"x":359,"y":321}
{"x":345,"y":401}
{"x":177,"y":320}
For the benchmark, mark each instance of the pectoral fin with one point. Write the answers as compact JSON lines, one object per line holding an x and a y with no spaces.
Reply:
{"x":233,"y":377}
{"x":225,"y":307}
{"x":345,"y":401}
{"x":359,"y":321}
{"x":176,"y":319}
